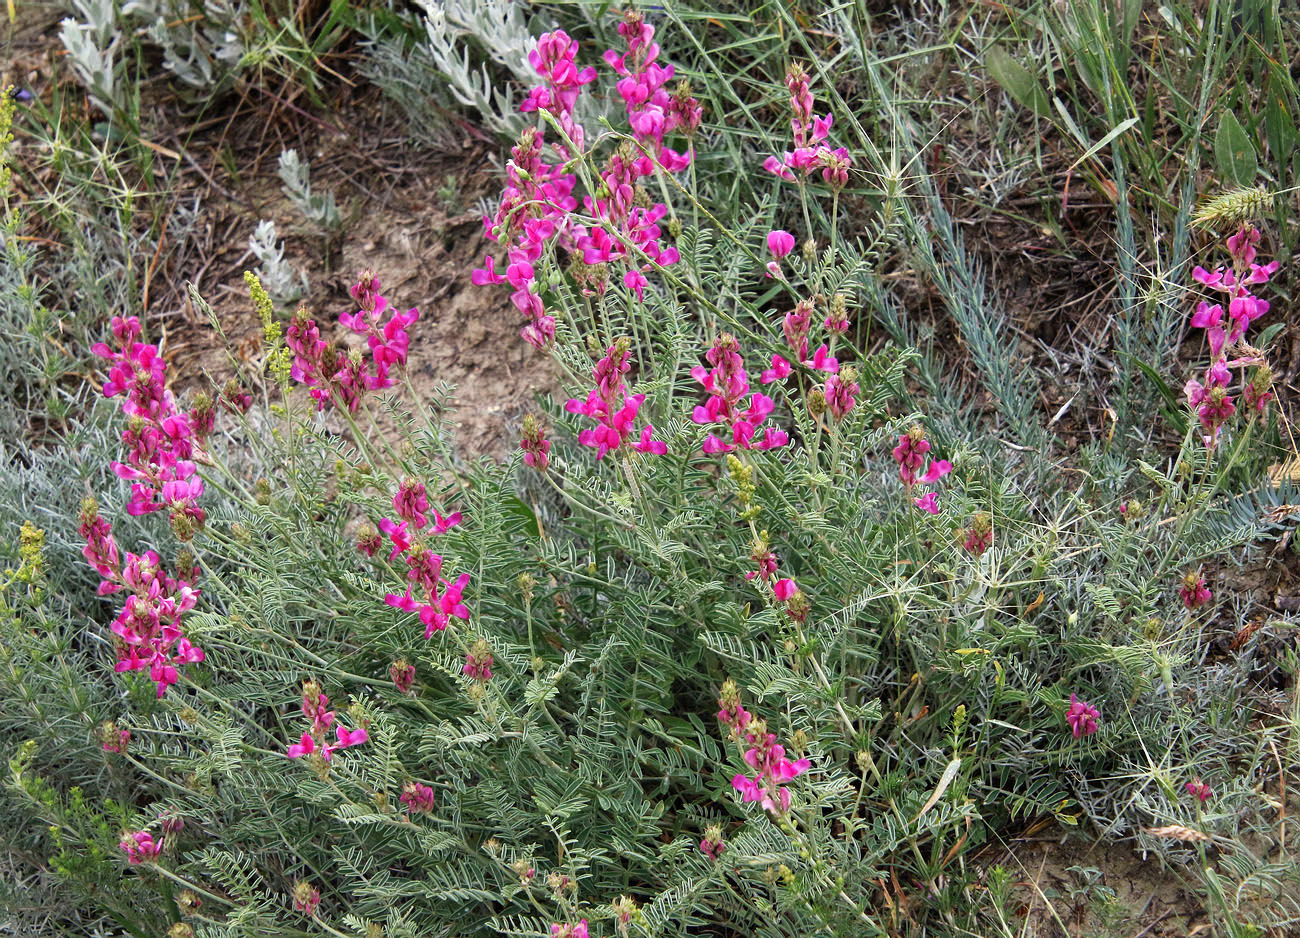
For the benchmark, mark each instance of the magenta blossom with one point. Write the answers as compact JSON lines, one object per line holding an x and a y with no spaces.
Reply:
{"x":1082,"y":716}
{"x":534,"y":443}
{"x":1193,"y":592}
{"x":306,"y":898}
{"x":140,"y":847}
{"x":811,"y":152}
{"x":1199,"y":789}
{"x":910,"y":454}
{"x":417,"y":798}
{"x":841,"y":393}
{"x":772,"y":770}
{"x":779,"y":371}
{"x":570,"y":931}
{"x":436,"y":598}
{"x":149,"y":626}
{"x":711,"y":844}
{"x":478,"y":661}
{"x":341,"y":377}
{"x":614,"y":410}
{"x":780,"y":244}
{"x":403,"y":675}
{"x":315,"y":708}
{"x":929,"y":503}
{"x":727,"y":383}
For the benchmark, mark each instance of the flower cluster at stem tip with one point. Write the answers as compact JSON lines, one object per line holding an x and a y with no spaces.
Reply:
{"x":910,"y":454}
{"x":436,"y":598}
{"x":315,"y":706}
{"x":342,"y":376}
{"x":162,"y":446}
{"x":1209,"y":396}
{"x":612,"y":408}
{"x":536,"y":213}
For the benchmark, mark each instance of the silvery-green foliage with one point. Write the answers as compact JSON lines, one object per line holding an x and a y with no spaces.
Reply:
{"x":319,"y":208}
{"x":91,"y":42}
{"x":282,"y":281}
{"x":202,"y":52}
{"x":456,"y":33}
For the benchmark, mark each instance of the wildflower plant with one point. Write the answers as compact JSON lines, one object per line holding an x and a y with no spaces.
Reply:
{"x":746,"y":636}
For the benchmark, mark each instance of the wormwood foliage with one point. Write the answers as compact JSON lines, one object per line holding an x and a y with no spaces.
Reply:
{"x":557,"y":731}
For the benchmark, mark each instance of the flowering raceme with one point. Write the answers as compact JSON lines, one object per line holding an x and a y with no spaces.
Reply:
{"x":910,"y":454}
{"x":160,"y":439}
{"x":429,"y":593}
{"x":762,"y":753}
{"x":811,"y":152}
{"x":614,"y":410}
{"x":140,"y":847}
{"x":727,"y":383}
{"x":1082,"y":716}
{"x":536,"y":214}
{"x":1193,"y":592}
{"x":148,"y":627}
{"x":341,"y":376}
{"x":1210,"y":396}
{"x":315,"y":706}
{"x":1199,"y":790}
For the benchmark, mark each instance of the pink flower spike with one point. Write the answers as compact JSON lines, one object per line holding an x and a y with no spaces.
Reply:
{"x":1082,"y":716}
{"x":1199,"y":789}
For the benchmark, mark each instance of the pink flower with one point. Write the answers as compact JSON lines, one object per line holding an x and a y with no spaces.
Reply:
{"x":140,"y":847}
{"x":929,"y":502}
{"x":784,"y":589}
{"x":1082,"y":716}
{"x":115,"y":740}
{"x":648,"y":445}
{"x":417,"y":798}
{"x":841,"y":394}
{"x":534,"y":444}
{"x":615,"y":412}
{"x":823,"y":360}
{"x":773,"y":770}
{"x":1193,"y":592}
{"x":570,"y":931}
{"x":779,"y":371}
{"x":411,"y":502}
{"x":711,"y":845}
{"x":809,"y":132}
{"x":403,"y":675}
{"x":727,"y":383}
{"x":1199,"y":789}
{"x":304,"y":747}
{"x":306,"y":898}
{"x":980,"y":534}
{"x":780,"y":244}
{"x":478,"y":661}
